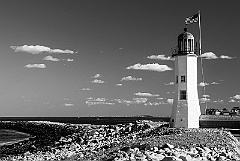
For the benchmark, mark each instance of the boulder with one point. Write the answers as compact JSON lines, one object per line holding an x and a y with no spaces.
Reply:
{"x":171,"y":158}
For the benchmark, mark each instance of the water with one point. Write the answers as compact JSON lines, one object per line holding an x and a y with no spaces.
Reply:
{"x":11,"y":136}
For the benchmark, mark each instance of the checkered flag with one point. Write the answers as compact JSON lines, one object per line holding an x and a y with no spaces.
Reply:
{"x":192,"y":19}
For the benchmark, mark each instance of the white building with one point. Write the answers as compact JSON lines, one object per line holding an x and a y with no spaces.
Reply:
{"x":186,"y":108}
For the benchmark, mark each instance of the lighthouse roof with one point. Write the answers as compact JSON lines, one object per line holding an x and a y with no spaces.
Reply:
{"x":185,"y":35}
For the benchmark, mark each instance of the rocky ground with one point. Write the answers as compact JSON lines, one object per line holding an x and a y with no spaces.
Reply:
{"x":144,"y":140}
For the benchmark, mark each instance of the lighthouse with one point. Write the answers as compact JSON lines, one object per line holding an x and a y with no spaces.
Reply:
{"x":186,"y":108}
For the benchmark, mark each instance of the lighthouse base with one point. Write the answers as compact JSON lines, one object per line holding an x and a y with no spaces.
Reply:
{"x":185,"y":115}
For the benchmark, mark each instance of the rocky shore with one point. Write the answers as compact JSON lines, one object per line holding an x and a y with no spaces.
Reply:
{"x":143,"y":140}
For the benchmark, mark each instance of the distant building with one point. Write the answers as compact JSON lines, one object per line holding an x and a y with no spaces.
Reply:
{"x":212,"y":111}
{"x":235,"y":111}
{"x":225,"y":112}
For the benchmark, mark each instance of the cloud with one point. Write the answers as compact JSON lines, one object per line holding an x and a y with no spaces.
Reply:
{"x":205,"y":95}
{"x":170,"y":83}
{"x":68,"y":59}
{"x":152,"y":104}
{"x":218,"y":101}
{"x":91,"y":101}
{"x":146,"y":94}
{"x":39,"y":49}
{"x":232,"y":100}
{"x":226,"y":57}
{"x":97,"y":75}
{"x":140,"y":100}
{"x":119,"y":84}
{"x":133,"y":101}
{"x":151,"y":67}
{"x":214,"y":83}
{"x":130,"y":78}
{"x":50,"y":58}
{"x":204,"y":99}
{"x":170,"y":101}
{"x":35,"y":66}
{"x":160,"y":57}
{"x":86,"y":89}
{"x":236,"y":97}
{"x":98,"y":81}
{"x":68,"y":104}
{"x":209,"y":55}
{"x":202,"y":84}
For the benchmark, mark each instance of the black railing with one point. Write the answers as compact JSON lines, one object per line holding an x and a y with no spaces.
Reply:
{"x":176,"y":51}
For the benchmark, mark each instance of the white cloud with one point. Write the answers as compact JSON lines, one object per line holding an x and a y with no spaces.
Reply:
{"x":140,"y":100}
{"x":151,"y":104}
{"x":214,"y":83}
{"x":146,"y":94}
{"x":50,"y":58}
{"x":68,"y":104}
{"x":133,"y":101}
{"x":91,"y":101}
{"x":151,"y":67}
{"x":35,"y":66}
{"x":160,"y":57}
{"x":39,"y":49}
{"x":170,"y":83}
{"x":205,"y":95}
{"x":170,"y":101}
{"x":118,"y":84}
{"x":130,"y":78}
{"x":232,"y":100}
{"x":236,"y":97}
{"x":204,"y":99}
{"x":98,"y":81}
{"x":86,"y":89}
{"x":202,"y":84}
{"x":97,"y":75}
{"x":100,"y":99}
{"x":218,"y":101}
{"x":209,"y":55}
{"x":68,"y":59}
{"x":226,"y":57}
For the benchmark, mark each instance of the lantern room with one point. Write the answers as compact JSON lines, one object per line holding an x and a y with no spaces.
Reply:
{"x":185,"y":43}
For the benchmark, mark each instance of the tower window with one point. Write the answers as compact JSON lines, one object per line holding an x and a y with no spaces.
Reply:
{"x":183,"y":95}
{"x":183,"y":79}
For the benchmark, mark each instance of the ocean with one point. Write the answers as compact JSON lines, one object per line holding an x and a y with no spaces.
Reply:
{"x":14,"y":136}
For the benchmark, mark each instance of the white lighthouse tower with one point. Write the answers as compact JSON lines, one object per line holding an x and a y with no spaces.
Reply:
{"x":186,"y":108}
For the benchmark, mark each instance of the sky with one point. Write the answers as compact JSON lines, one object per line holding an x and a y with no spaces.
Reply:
{"x":112,"y":57}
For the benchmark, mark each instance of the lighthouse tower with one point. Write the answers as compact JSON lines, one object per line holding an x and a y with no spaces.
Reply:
{"x":186,"y":108}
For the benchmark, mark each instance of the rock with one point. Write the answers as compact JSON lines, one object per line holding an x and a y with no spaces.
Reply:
{"x":221,"y":158}
{"x":155,"y":149}
{"x":168,"y":146}
{"x":126,"y":149}
{"x":185,"y":157}
{"x":207,"y":150}
{"x":171,"y":158}
{"x":159,"y":156}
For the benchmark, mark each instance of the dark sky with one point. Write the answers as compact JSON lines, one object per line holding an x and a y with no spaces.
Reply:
{"x":92,"y":57}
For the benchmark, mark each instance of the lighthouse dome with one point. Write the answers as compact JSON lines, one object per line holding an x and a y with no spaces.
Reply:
{"x":185,"y":35}
{"x":185,"y":43}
